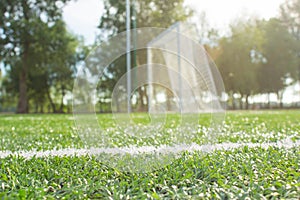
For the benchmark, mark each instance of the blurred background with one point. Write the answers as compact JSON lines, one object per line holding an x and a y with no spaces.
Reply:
{"x":255,"y":44}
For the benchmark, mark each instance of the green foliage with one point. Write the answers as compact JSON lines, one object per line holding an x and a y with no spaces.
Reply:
{"x":290,"y":16}
{"x":23,"y":25}
{"x":278,"y":57}
{"x":145,"y":13}
{"x":237,"y":61}
{"x":257,"y":58}
{"x":289,"y":11}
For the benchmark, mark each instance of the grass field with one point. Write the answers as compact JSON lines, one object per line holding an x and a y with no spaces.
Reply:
{"x":239,"y":173}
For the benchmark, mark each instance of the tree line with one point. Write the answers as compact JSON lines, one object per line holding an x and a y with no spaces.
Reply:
{"x":41,"y":57}
{"x":259,"y":57}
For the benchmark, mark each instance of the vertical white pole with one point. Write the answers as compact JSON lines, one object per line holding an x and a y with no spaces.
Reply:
{"x":179,"y":68}
{"x":149,"y":73}
{"x":128,"y":66}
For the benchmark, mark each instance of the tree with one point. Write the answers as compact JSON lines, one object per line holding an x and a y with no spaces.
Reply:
{"x":20,"y":22}
{"x":278,"y":61}
{"x":148,"y":13}
{"x":54,"y":71}
{"x":290,"y":16}
{"x":237,"y":61}
{"x":62,"y":62}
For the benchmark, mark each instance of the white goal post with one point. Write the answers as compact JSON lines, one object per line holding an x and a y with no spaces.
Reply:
{"x":185,"y":56}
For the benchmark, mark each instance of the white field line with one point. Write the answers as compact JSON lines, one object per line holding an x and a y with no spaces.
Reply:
{"x":286,"y":144}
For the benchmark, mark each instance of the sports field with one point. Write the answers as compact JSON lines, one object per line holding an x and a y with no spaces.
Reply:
{"x":257,"y":156}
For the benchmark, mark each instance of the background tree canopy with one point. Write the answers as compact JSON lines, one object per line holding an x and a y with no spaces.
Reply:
{"x":255,"y":57}
{"x":26,"y":30}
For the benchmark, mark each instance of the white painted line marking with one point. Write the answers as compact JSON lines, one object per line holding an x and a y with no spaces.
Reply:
{"x":164,"y":149}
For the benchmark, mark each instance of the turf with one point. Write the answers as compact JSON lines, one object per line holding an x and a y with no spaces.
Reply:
{"x":256,"y":173}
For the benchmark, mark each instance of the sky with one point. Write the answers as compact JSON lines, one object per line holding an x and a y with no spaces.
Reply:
{"x":83,"y":16}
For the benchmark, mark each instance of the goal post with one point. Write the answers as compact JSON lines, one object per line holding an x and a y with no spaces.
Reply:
{"x":185,"y":57}
{"x":156,"y":43}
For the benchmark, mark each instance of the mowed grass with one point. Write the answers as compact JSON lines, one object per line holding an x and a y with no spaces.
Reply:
{"x":258,"y":173}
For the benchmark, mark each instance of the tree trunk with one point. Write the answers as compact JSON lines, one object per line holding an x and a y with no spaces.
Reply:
{"x":61,"y":108}
{"x":241,"y":102}
{"x":247,"y":101}
{"x":62,"y":99}
{"x":36,"y":107}
{"x":269,"y":101}
{"x":279,"y":98}
{"x":42,"y":108}
{"x":233,"y":101}
{"x":51,"y":101}
{"x":23,"y":101}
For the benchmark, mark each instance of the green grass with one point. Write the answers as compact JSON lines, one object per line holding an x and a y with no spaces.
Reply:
{"x":258,"y":173}
{"x":40,"y":132}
